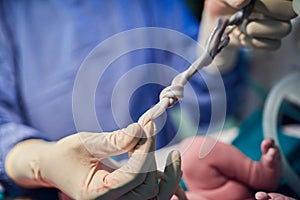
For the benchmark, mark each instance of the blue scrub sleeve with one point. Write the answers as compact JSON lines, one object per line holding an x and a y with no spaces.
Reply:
{"x":12,"y":126}
{"x":11,"y":134}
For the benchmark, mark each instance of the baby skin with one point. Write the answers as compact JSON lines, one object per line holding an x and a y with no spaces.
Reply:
{"x":225,"y":172}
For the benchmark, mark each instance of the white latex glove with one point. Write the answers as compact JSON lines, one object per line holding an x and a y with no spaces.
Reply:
{"x":271,"y":195}
{"x":269,"y":22}
{"x":72,"y":165}
{"x":296,"y":6}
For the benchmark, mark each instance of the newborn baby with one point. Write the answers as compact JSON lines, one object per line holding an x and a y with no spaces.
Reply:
{"x":225,"y":172}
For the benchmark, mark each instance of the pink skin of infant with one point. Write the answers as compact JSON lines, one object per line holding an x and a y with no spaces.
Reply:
{"x":225,"y":172}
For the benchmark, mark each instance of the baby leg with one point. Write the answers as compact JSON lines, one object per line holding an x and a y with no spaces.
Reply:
{"x":226,"y":169}
{"x":214,"y":175}
{"x":266,"y":173}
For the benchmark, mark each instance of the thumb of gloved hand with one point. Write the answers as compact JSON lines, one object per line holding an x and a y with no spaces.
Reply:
{"x":72,"y":164}
{"x":169,"y":180}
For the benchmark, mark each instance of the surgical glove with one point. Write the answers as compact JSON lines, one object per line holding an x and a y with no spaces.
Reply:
{"x":269,"y":22}
{"x":72,"y":164}
{"x":296,"y":6}
{"x":169,"y":180}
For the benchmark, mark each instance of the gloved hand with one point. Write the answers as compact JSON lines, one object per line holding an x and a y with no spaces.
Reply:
{"x":266,"y":26}
{"x":271,"y":195}
{"x":79,"y":166}
{"x":296,"y":6}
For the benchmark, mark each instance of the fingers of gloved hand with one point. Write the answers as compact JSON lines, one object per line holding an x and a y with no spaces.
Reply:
{"x":103,"y":145}
{"x":109,"y":164}
{"x":277,"y":9}
{"x":149,"y":130}
{"x":269,"y":29}
{"x":296,"y":6}
{"x":239,"y":38}
{"x":179,"y":194}
{"x":130,"y":175}
{"x":113,"y":185}
{"x":149,"y":138}
{"x":263,"y":34}
{"x":169,"y":181}
{"x":143,"y":155}
{"x":147,"y":190}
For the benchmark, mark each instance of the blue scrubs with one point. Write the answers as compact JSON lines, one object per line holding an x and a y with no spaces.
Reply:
{"x":44,"y":43}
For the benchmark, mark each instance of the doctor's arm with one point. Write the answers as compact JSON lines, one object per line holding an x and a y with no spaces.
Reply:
{"x":78,"y":164}
{"x":12,"y":124}
{"x":75,"y":164}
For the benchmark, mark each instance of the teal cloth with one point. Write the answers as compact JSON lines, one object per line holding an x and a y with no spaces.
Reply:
{"x":183,"y":185}
{"x":249,"y":140}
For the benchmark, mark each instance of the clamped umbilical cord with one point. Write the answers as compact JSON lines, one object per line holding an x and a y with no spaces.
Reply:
{"x":218,"y":39}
